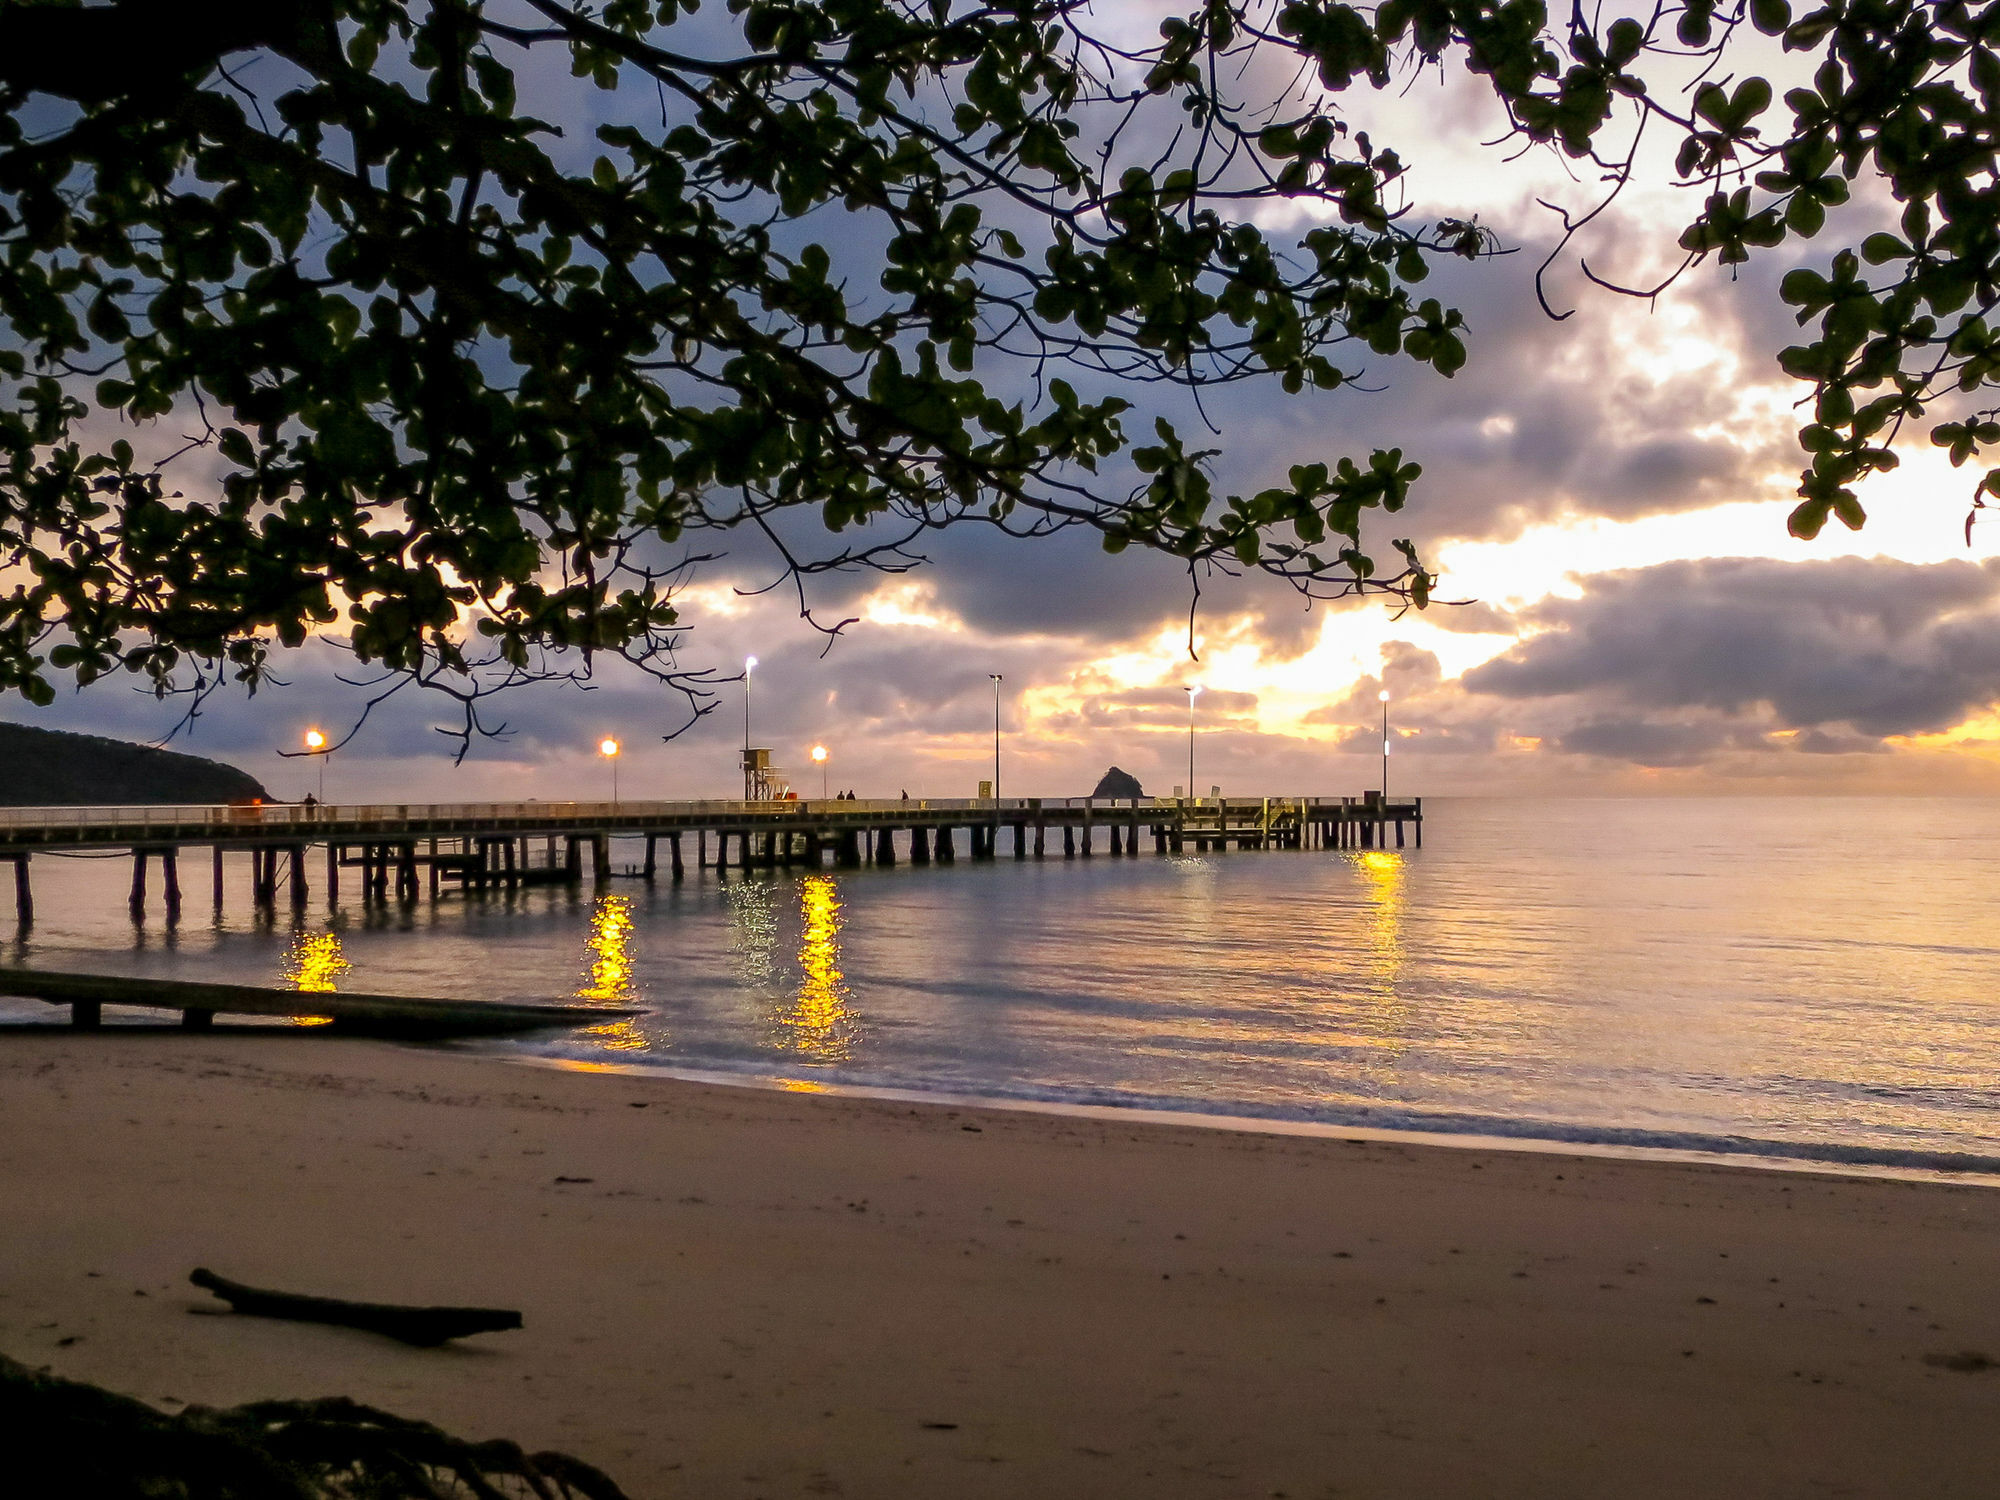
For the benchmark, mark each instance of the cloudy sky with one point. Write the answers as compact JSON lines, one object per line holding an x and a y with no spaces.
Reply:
{"x":1606,"y":496}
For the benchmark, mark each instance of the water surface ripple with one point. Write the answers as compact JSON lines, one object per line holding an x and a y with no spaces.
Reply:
{"x":1797,"y":977}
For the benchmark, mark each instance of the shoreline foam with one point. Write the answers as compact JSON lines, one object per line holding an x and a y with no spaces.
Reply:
{"x":1482,"y":1132}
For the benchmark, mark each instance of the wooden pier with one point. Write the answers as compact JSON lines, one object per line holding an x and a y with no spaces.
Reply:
{"x":368,"y":1015}
{"x":397,"y":852}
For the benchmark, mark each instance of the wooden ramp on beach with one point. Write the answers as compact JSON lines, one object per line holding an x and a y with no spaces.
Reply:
{"x":368,"y":1015}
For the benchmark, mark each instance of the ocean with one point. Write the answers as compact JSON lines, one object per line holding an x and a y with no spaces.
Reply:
{"x":1801,"y":978}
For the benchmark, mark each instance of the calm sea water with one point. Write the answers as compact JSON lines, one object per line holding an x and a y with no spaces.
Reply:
{"x":1792,"y":977}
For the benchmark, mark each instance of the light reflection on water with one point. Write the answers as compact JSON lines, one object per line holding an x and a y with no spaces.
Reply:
{"x":608,"y":977}
{"x":1793,"y":970}
{"x":315,"y":962}
{"x":819,"y":1022}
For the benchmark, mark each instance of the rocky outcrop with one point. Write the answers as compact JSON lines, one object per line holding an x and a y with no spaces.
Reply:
{"x":1117,"y":783}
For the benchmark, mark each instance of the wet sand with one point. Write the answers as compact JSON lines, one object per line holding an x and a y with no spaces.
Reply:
{"x":739,"y":1292}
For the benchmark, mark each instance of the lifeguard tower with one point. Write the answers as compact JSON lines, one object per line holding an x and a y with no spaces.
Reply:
{"x":762,"y":781}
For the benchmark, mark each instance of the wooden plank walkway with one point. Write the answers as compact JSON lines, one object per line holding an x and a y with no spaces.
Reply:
{"x":368,"y":1015}
{"x":508,"y":844}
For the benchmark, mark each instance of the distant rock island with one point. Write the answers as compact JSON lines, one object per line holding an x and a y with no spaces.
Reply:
{"x":1117,"y":783}
{"x":55,"y":768}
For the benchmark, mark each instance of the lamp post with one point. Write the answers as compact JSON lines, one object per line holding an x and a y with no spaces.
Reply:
{"x":1384,"y":696}
{"x":819,"y":759}
{"x":1193,"y":692}
{"x":996,"y":737}
{"x":749,"y":666}
{"x":316,"y":745}
{"x":609,"y":748}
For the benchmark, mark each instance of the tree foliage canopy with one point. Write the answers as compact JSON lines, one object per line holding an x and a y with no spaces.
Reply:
{"x":477,"y":392}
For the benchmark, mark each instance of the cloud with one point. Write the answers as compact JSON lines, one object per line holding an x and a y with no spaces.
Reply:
{"x":1664,"y":665}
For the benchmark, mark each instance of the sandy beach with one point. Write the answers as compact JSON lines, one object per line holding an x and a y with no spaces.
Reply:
{"x":747,"y":1292}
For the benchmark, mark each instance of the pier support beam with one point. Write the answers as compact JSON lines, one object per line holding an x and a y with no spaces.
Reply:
{"x":885,"y":849}
{"x":674,"y":854}
{"x":1020,"y":841}
{"x":1069,"y":841}
{"x":946,"y":854}
{"x":298,"y":878}
{"x":652,"y":857}
{"x":138,"y":897}
{"x":920,"y":845}
{"x":217,"y":851}
{"x":24,"y":893}
{"x":847,"y":851}
{"x":170,"y":882}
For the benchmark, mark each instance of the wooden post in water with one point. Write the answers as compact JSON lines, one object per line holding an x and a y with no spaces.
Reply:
{"x":1117,"y":847}
{"x":652,"y":856}
{"x":946,"y":854}
{"x":298,"y":852}
{"x":1086,"y":829}
{"x":885,"y":849}
{"x":920,"y":845}
{"x":600,"y":858}
{"x":24,"y":895}
{"x":674,"y":854}
{"x":217,"y":850}
{"x":1069,"y":841}
{"x":170,"y":881}
{"x":333,"y":873}
{"x":138,"y":898}
{"x":1041,"y":833}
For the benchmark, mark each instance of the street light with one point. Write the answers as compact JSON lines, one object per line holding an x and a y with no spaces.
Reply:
{"x":1384,"y":696}
{"x":609,"y":748}
{"x":996,"y":737}
{"x":819,"y":759}
{"x":316,"y":745}
{"x":749,"y":666}
{"x":1193,"y":692}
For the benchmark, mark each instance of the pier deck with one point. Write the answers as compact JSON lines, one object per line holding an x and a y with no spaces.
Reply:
{"x":486,"y":844}
{"x":368,"y":1015}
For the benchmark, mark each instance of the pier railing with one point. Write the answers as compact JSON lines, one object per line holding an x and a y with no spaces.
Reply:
{"x":246,"y":817}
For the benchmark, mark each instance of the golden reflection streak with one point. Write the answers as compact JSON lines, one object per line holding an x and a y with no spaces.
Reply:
{"x":608,"y":980}
{"x":1382,"y":876}
{"x":314,"y":962}
{"x":820,"y":1023}
{"x":313,"y":965}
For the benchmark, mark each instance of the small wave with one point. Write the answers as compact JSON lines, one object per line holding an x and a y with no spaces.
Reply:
{"x":1387,"y":1120}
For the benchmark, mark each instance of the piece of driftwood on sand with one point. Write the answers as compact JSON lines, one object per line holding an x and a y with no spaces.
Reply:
{"x":422,"y":1326}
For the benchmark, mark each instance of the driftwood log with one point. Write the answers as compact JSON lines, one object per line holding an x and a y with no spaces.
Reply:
{"x":65,"y":1438}
{"x":422,"y":1326}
